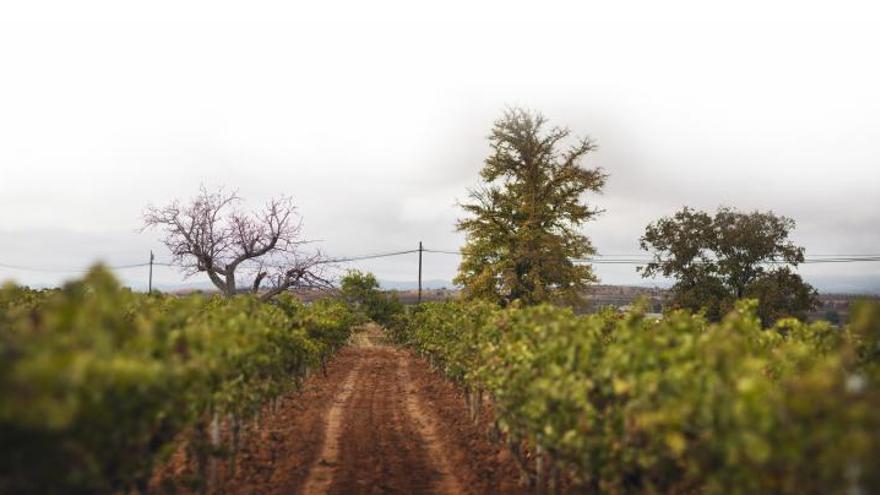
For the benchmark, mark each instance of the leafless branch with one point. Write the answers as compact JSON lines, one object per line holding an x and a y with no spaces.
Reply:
{"x":211,"y":234}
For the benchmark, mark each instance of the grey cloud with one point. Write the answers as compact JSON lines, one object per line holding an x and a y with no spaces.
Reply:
{"x":377,"y":131}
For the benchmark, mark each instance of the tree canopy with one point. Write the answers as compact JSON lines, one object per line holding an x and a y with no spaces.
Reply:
{"x":718,"y":259}
{"x":361,"y":290}
{"x":523,"y":222}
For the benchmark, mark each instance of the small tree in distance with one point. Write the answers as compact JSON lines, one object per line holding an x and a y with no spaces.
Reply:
{"x":718,"y":259}
{"x":523,"y":223}
{"x":361,"y":289}
{"x":211,"y":235}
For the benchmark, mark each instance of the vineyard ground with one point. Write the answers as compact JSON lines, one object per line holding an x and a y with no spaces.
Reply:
{"x":381,"y":421}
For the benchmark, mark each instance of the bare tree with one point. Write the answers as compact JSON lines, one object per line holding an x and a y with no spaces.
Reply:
{"x":211,"y":234}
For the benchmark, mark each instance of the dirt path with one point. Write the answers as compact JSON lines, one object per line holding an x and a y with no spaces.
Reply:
{"x":380,"y":422}
{"x":323,"y":471}
{"x":426,"y":424}
{"x":381,"y":447}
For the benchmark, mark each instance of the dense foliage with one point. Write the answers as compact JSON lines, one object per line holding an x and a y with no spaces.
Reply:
{"x":523,"y":224}
{"x":361,"y":291}
{"x":717,"y":260}
{"x":96,"y":381}
{"x":627,"y":404}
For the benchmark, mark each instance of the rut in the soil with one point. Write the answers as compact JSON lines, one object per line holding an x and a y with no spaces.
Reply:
{"x":380,"y":422}
{"x":397,"y":427}
{"x":426,"y":423}
{"x":322,"y":472}
{"x":382,"y":448}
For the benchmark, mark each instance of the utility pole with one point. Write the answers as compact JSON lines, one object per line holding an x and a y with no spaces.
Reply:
{"x":420,"y":272}
{"x":150,"y":283}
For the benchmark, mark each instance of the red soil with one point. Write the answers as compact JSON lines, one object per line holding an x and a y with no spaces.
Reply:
{"x":380,"y":422}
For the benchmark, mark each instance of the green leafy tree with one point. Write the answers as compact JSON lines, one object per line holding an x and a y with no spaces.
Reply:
{"x":361,"y":290}
{"x":523,"y":222}
{"x":718,"y":259}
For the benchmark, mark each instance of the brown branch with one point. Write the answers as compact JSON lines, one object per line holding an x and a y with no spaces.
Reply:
{"x":209,"y":235}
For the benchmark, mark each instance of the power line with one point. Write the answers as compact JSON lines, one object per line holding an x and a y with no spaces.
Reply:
{"x":69,"y":270}
{"x":807,"y":261}
{"x":369,"y":256}
{"x":348,"y":259}
{"x":640,"y":259}
{"x":840,"y":260}
{"x":443,"y":251}
{"x":599,"y":259}
{"x":79,"y":270}
{"x":344,"y":259}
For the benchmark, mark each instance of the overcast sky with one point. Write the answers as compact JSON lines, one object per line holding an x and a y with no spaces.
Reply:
{"x":374,"y":117}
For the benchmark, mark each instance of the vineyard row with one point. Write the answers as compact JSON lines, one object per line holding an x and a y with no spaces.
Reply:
{"x":612,"y":403}
{"x":99,"y":383}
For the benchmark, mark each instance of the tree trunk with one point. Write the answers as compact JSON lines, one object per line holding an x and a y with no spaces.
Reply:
{"x":220,"y":282}
{"x":230,"y":282}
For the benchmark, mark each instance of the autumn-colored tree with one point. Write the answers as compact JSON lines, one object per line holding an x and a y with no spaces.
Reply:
{"x":523,"y":222}
{"x":718,"y":259}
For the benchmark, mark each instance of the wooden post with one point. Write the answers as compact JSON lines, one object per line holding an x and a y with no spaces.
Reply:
{"x":213,"y":461}
{"x":420,"y":272}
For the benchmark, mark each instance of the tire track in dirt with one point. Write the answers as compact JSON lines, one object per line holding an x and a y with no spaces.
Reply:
{"x":275,"y":457}
{"x":382,"y":450}
{"x":448,"y":482}
{"x":380,"y":421}
{"x":322,"y":472}
{"x":481,"y":466}
{"x":384,"y":435}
